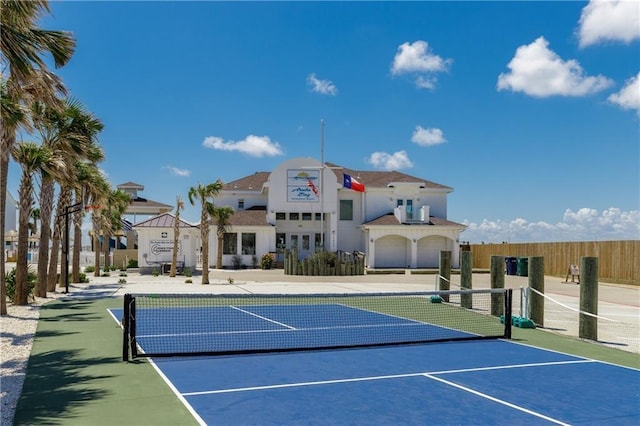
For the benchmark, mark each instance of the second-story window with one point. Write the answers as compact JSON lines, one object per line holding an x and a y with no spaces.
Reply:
{"x":240,"y":204}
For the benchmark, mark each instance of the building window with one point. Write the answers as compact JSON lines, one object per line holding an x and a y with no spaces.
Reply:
{"x":294,"y":241}
{"x":281,"y":239}
{"x":294,"y":216}
{"x":306,"y":216}
{"x":305,"y":242}
{"x":318,"y":241}
{"x":248,"y":243}
{"x":230,"y":243}
{"x":318,"y":216}
{"x":346,"y":209}
{"x":281,"y":216}
{"x":164,"y":235}
{"x":240,"y":204}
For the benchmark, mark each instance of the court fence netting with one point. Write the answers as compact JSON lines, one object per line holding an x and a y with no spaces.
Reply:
{"x":162,"y":325}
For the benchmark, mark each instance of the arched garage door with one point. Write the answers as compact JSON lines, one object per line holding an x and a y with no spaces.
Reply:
{"x":391,"y":252}
{"x":429,"y":249}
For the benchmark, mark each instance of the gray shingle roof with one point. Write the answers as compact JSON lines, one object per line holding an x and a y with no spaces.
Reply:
{"x":253,"y":217}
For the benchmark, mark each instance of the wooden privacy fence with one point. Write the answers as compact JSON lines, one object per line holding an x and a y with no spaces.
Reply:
{"x":618,"y":261}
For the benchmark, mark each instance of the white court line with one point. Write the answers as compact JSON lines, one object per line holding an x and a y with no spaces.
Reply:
{"x":365,"y":379}
{"x":499,"y":401}
{"x":263,"y":318}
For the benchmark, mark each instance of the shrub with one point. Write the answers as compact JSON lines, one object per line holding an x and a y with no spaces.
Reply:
{"x":188,"y":281}
{"x":90,"y":268}
{"x":187,"y":272}
{"x":10,"y":280}
{"x":83,"y":277}
{"x":155,"y":273}
{"x":122,"y":281}
{"x":267,"y":261}
{"x":123,"y":274}
{"x":230,"y":280}
{"x":237,"y":261}
{"x":133,"y":263}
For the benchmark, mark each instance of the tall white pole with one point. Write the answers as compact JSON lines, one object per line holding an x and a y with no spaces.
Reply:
{"x":322,"y":184}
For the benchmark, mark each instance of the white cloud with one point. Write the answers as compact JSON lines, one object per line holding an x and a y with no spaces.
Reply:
{"x":255,"y":146}
{"x":417,"y":58}
{"x":586,"y":224}
{"x":629,"y":96}
{"x":178,"y":172}
{"x":324,"y":87}
{"x":538,"y":71}
{"x":396,"y":161}
{"x":609,"y":20}
{"x":427,"y":137}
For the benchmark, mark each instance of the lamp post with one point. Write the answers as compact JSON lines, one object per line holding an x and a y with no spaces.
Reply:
{"x":68,"y":211}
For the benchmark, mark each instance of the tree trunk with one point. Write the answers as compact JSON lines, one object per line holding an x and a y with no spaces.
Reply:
{"x":105,"y":251}
{"x":219,"y":258}
{"x":205,"y":255}
{"x":77,"y":240}
{"x":7,"y":141}
{"x":26,"y":203}
{"x":46,"y":209}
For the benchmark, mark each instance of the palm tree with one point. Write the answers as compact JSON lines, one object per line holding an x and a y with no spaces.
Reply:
{"x":32,"y":158}
{"x":21,"y":48}
{"x":221,"y":216}
{"x":203,"y":194}
{"x":69,"y":132}
{"x":176,"y":235}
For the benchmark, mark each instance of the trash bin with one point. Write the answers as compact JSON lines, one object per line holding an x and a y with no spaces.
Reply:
{"x":512,"y":263}
{"x":523,"y":267}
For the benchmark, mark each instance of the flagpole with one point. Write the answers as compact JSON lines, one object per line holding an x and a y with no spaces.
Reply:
{"x":322,"y":185}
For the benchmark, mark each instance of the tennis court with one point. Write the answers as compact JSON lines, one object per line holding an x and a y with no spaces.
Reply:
{"x":388,"y":375}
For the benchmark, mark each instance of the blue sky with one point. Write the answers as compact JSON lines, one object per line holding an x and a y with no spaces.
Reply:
{"x":529,"y":110}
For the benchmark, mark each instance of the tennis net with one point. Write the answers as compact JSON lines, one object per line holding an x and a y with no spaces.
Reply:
{"x":158,"y":325}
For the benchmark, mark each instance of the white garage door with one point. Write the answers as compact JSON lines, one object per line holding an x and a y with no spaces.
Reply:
{"x":429,"y":249}
{"x":391,"y":252}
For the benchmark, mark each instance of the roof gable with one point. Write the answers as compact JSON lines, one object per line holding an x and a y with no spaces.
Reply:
{"x":164,"y":220}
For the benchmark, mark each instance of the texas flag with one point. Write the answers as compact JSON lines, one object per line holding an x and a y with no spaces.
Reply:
{"x":351,"y":183}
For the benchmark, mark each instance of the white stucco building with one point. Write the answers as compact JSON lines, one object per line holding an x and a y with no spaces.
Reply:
{"x":399,"y":221}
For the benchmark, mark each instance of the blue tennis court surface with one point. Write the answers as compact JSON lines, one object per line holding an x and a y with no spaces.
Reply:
{"x":478,"y":382}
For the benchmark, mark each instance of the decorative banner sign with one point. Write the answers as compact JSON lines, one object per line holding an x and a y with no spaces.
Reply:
{"x":303,"y":185}
{"x":161,"y":247}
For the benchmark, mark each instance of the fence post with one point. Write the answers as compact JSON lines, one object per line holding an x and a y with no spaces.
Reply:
{"x":497,"y":281}
{"x":588,"y":328}
{"x":536,"y":282}
{"x":466,"y":280}
{"x":445,"y":273}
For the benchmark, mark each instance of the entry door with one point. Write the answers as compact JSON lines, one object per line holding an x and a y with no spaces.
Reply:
{"x":304,"y":242}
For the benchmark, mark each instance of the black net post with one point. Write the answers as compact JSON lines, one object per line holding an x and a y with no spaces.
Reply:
{"x":132,"y":328}
{"x":125,"y":327}
{"x":466,"y":278}
{"x":508,"y":307}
